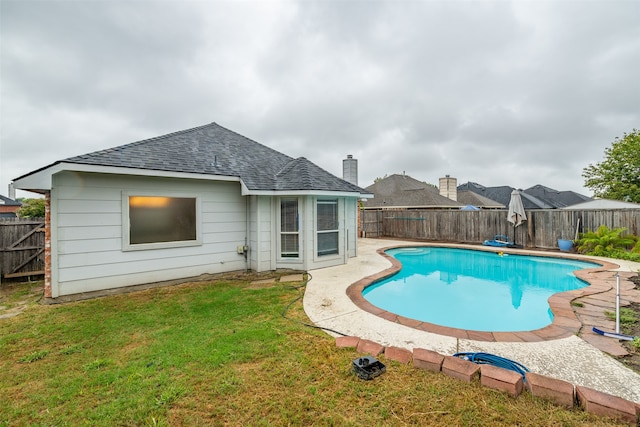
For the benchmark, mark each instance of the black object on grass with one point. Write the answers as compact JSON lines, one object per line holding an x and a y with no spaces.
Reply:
{"x":368,"y":367}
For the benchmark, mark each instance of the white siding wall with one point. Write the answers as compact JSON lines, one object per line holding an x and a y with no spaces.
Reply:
{"x":87,"y":224}
{"x":262,"y":228}
{"x":291,"y":263}
{"x":347,"y":234}
{"x":254,"y":258}
{"x":351,"y":220}
{"x":87,"y":229}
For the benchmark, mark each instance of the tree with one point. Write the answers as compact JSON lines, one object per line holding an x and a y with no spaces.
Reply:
{"x":31,"y":208}
{"x":617,"y":177}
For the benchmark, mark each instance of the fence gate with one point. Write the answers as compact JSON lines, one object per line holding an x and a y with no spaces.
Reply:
{"x":21,"y":248}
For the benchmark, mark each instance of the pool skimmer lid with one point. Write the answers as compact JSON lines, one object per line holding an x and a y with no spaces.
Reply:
{"x":368,"y":367}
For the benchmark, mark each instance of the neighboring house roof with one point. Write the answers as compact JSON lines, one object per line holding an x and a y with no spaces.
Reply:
{"x":5,"y":201}
{"x":598,"y":204}
{"x":555,"y":198}
{"x":212,"y":150}
{"x":467,"y":197}
{"x":8,"y":207}
{"x":402,"y":191}
{"x":502,"y":195}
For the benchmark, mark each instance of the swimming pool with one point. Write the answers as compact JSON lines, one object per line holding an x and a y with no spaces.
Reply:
{"x":475,"y":290}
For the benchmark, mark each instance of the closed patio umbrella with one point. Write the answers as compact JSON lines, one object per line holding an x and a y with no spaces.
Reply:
{"x":516,"y":214}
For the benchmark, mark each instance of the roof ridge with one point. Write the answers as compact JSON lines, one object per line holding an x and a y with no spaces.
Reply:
{"x":544,"y":188}
{"x":288,"y":166}
{"x":197,"y":149}
{"x":302,"y":164}
{"x":252,"y":140}
{"x":178,"y":132}
{"x":141,"y":142}
{"x":541,"y":203}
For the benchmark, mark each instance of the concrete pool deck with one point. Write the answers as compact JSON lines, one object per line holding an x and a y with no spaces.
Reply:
{"x":564,"y":355}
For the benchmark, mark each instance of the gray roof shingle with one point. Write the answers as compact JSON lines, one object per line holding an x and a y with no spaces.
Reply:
{"x":405,"y":191}
{"x":214,"y":150}
{"x":468,"y":197}
{"x":5,"y":201}
{"x":536,"y":197}
{"x":502,"y":195}
{"x":555,"y":198}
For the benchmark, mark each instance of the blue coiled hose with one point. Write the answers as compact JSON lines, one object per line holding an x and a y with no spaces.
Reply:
{"x":492,"y":359}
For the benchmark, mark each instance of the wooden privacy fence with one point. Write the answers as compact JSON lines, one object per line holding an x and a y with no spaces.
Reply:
{"x":542,"y":229}
{"x":21,"y":247}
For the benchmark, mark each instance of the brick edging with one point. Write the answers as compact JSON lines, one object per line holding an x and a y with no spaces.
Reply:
{"x":560,"y":392}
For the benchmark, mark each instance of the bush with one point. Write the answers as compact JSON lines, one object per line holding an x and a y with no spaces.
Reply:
{"x":609,"y":243}
{"x":625,"y":255}
{"x":32,"y":208}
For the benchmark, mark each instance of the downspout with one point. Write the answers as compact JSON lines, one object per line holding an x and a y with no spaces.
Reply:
{"x":246,"y":233}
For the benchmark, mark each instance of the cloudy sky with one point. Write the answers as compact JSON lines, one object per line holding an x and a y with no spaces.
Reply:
{"x":494,"y":92}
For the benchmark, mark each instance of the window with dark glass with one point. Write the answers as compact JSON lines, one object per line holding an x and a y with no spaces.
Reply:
{"x":327,"y":226}
{"x":289,"y":229}
{"x":158,"y":219}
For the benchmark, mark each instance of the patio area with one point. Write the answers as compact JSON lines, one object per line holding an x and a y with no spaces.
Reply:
{"x":559,"y":352}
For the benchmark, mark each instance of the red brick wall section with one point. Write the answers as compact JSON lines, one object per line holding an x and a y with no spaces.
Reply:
{"x":47,"y":245}
{"x":5,"y":209}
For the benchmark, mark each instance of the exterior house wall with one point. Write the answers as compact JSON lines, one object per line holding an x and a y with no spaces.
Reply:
{"x":347,"y":227}
{"x":161,"y":209}
{"x":88,"y":214}
{"x":9,"y":209}
{"x":351,"y":220}
{"x":304,"y":232}
{"x":87,"y":232}
{"x":260,"y":235}
{"x":47,"y":245}
{"x":268,"y":251}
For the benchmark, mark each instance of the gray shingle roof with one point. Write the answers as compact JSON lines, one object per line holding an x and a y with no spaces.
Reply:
{"x":536,"y":197}
{"x":405,"y":191}
{"x":555,"y":198}
{"x":502,"y":195}
{"x":5,"y":201}
{"x":468,"y":197}
{"x":214,"y":150}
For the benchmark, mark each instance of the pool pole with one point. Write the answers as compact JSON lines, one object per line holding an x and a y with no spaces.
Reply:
{"x":617,"y":303}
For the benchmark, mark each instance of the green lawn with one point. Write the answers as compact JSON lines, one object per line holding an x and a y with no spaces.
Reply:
{"x":221,"y":354}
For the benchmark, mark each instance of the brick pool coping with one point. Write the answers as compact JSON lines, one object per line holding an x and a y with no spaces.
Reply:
{"x":565,"y":322}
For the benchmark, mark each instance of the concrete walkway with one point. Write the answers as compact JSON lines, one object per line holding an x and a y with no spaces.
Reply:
{"x":571,"y":359}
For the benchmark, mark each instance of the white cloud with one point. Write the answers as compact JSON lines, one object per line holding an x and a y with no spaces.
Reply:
{"x":500,"y":93}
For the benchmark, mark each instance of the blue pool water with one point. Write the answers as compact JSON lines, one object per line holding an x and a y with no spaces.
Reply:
{"x":475,"y":290}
